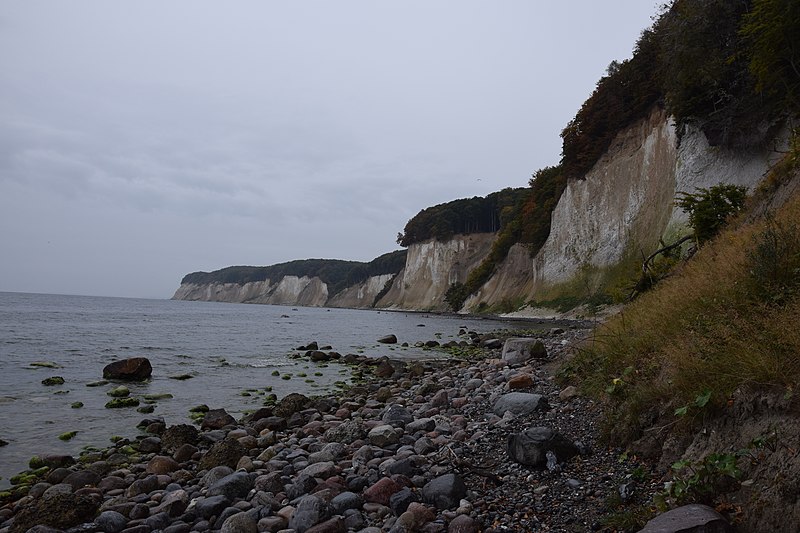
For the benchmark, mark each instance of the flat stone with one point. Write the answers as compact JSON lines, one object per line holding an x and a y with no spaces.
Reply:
{"x":519,"y":403}
{"x":692,"y":518}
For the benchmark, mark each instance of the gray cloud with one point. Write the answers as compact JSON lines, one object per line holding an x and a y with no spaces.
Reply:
{"x":143,"y":140}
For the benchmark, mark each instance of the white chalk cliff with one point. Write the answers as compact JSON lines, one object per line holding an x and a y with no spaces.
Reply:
{"x":621,"y":209}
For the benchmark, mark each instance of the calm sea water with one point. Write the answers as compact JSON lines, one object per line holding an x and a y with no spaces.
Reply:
{"x":227,"y":348}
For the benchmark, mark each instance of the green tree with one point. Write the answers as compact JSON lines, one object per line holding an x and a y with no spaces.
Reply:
{"x":772,"y":33}
{"x":709,"y":209}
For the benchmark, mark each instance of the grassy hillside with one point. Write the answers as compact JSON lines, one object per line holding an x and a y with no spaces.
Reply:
{"x":724,"y":320}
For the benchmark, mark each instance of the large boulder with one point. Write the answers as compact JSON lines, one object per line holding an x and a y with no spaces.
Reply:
{"x":133,"y":369}
{"x":519,"y":350}
{"x":692,"y":518}
{"x":60,"y":511}
{"x":531,"y":446}
{"x":519,"y":403}
{"x":223,"y":453}
{"x":217,"y":419}
{"x":388,"y":339}
{"x":444,"y":491}
{"x":291,"y":404}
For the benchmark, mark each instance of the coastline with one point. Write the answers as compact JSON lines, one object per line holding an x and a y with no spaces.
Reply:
{"x":417,"y":446}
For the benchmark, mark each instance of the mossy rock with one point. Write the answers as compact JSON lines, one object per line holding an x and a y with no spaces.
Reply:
{"x":23,"y":478}
{"x":54,"y":380}
{"x":61,"y":392}
{"x":97,"y":383}
{"x":68,"y":435}
{"x":76,"y":405}
{"x":45,"y":364}
{"x":117,"y":403}
{"x":159,"y":396}
{"x":119,"y":392}
{"x":202,"y":408}
{"x":146,"y":409}
{"x":181,"y":377}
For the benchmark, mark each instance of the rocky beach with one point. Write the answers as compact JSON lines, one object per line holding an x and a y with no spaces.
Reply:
{"x":483,"y":441}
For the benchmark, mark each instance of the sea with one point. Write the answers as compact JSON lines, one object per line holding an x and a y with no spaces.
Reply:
{"x":236,"y":354}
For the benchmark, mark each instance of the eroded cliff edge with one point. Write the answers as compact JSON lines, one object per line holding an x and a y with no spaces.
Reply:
{"x":621,"y":210}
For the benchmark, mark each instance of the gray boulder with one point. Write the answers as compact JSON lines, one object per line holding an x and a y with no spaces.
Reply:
{"x":233,"y":486}
{"x":383,"y":435}
{"x":692,"y":518}
{"x":347,"y":432}
{"x":531,"y":446}
{"x":241,"y":523}
{"x":111,"y":522}
{"x":211,"y":506}
{"x":519,"y":403}
{"x":310,"y":510}
{"x":397,"y":415}
{"x":388,"y":339}
{"x":518,"y":350}
{"x":444,"y":491}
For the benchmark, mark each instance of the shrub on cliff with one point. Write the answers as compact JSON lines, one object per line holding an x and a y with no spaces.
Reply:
{"x":709,"y":209}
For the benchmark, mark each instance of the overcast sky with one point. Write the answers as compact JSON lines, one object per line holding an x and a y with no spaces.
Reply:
{"x":141,"y":141}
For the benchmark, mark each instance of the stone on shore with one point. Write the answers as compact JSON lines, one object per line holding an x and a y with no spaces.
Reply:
{"x":445,"y":491}
{"x":388,"y":339}
{"x":517,"y":351}
{"x":530,"y":447}
{"x":519,"y":403}
{"x":692,"y":518}
{"x":60,"y":511}
{"x":133,"y":369}
{"x":217,"y":419}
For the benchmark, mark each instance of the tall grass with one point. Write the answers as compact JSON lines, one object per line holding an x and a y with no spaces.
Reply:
{"x":730,"y":318}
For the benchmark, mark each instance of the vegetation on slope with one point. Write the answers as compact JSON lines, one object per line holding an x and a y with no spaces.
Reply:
{"x":337,"y":274}
{"x":723,"y":322}
{"x":463,"y":216}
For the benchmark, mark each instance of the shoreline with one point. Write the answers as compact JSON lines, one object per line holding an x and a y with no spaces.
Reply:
{"x":417,"y":445}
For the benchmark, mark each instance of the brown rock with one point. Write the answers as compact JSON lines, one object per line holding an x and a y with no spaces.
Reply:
{"x":416,"y":516}
{"x":217,"y":419}
{"x":161,"y":464}
{"x":464,"y":524}
{"x":225,"y":453}
{"x":520,"y":381}
{"x":133,"y":369}
{"x":381,"y":491}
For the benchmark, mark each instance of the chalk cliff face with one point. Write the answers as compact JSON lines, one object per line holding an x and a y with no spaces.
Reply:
{"x":431,"y":267}
{"x":361,"y":295}
{"x":291,"y":290}
{"x":622,"y":207}
{"x":620,"y":211}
